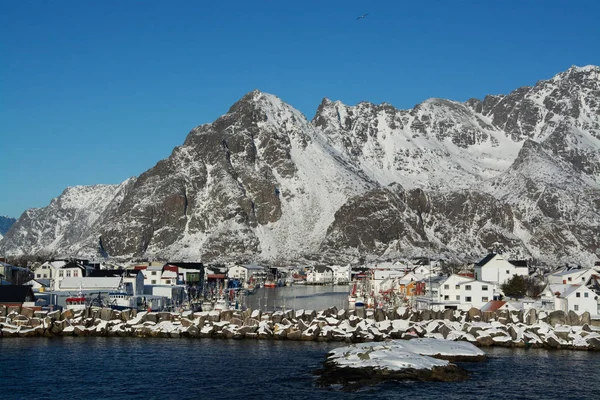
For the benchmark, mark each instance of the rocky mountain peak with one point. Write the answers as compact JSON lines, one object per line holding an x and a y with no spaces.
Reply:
{"x":520,"y":172}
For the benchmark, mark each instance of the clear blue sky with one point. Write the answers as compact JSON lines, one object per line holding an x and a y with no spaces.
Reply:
{"x":99,"y":91}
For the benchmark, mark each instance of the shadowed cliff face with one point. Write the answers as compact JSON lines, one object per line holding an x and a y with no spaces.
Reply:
{"x":518,"y":173}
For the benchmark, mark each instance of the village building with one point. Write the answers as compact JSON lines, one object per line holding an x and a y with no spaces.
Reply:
{"x":132,"y":280}
{"x":571,"y":276}
{"x":17,"y":296}
{"x":566,"y":297}
{"x":341,"y":274}
{"x":70,"y":269}
{"x":495,"y":268}
{"x":245,"y":273}
{"x":319,"y":275}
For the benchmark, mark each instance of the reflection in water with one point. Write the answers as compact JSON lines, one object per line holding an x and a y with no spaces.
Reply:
{"x":299,"y":297}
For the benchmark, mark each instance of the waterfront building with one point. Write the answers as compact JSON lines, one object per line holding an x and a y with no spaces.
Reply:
{"x":571,"y":276}
{"x":495,"y":268}
{"x":319,"y":275}
{"x":565,"y":297}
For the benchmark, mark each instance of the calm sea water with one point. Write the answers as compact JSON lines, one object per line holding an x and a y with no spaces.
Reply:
{"x":143,"y":368}
{"x":148,"y":368}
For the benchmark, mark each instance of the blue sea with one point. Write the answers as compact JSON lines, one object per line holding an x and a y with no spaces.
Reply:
{"x":149,"y":368}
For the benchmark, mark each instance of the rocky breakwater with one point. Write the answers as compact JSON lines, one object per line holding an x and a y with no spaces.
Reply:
{"x":417,"y":359}
{"x":509,"y":329}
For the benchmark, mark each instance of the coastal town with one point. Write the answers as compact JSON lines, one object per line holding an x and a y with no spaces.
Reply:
{"x":495,"y":289}
{"x":493,"y":283}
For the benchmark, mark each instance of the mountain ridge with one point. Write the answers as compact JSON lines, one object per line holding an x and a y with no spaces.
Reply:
{"x":263,"y":182}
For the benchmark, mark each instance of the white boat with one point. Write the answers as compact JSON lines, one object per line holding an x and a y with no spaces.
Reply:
{"x":76,"y":303}
{"x":122,"y":301}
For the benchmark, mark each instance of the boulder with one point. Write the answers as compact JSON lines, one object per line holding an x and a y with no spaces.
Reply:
{"x":448,"y":315}
{"x":585,"y":319}
{"x":27,"y":312}
{"x":380,"y":315}
{"x":593,"y":343}
{"x":485,"y":341}
{"x":473,"y":314}
{"x":552,"y":341}
{"x":530,"y":317}
{"x":106,"y":314}
{"x":67,"y":314}
{"x":557,"y":317}
{"x":572,"y":318}
{"x":13,"y":309}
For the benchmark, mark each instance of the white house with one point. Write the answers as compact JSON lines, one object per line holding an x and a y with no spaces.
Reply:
{"x":495,"y":268}
{"x":152,"y":274}
{"x":243,"y":273}
{"x":341,"y":274}
{"x":573,"y":276}
{"x":319,"y":275}
{"x":69,"y":270}
{"x":463,"y":292}
{"x":577,"y":298}
{"x":48,"y":270}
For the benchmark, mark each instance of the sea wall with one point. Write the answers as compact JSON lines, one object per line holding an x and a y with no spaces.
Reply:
{"x":556,"y":330}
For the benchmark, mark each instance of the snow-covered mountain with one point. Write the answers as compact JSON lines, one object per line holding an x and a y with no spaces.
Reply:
{"x":5,"y":224}
{"x":518,"y":173}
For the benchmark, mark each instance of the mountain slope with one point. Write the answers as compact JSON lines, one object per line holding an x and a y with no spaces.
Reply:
{"x":517,"y":173}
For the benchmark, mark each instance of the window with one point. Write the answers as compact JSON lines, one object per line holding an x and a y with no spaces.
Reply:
{"x":168,"y":281}
{"x":153,"y":272}
{"x":446,"y":297}
{"x":468,"y":298}
{"x":485,"y":299}
{"x":484,"y":287}
{"x":446,"y":286}
{"x":507,"y":272}
{"x":577,"y":294}
{"x":45,"y":275}
{"x":570,"y":279}
{"x":60,"y":274}
{"x":576,"y":307}
{"x":153,"y":282}
{"x":585,"y":294}
{"x":38,"y":276}
{"x":75,"y":273}
{"x":457,"y":287}
{"x":467,"y":287}
{"x":457,"y":297}
{"x":68,"y":273}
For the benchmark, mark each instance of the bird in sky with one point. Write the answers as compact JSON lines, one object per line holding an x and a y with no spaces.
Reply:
{"x":362,"y":16}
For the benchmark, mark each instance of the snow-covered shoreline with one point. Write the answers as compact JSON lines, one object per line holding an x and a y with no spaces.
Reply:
{"x":503,"y":328}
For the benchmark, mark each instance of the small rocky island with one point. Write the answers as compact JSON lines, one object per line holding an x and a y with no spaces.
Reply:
{"x":418,"y":359}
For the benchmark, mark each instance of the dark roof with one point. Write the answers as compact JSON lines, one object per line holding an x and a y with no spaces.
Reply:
{"x":322,"y":268}
{"x":518,"y":263}
{"x":16,"y":293}
{"x":187,"y":265}
{"x":106,"y":273}
{"x":486,"y":259}
{"x":73,"y":264}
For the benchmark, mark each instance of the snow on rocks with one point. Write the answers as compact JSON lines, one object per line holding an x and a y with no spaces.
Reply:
{"x":349,"y":326}
{"x":419,"y":359}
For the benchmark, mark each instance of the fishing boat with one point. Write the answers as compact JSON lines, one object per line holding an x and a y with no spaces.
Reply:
{"x":122,"y":301}
{"x":76,"y":303}
{"x":270,"y":284}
